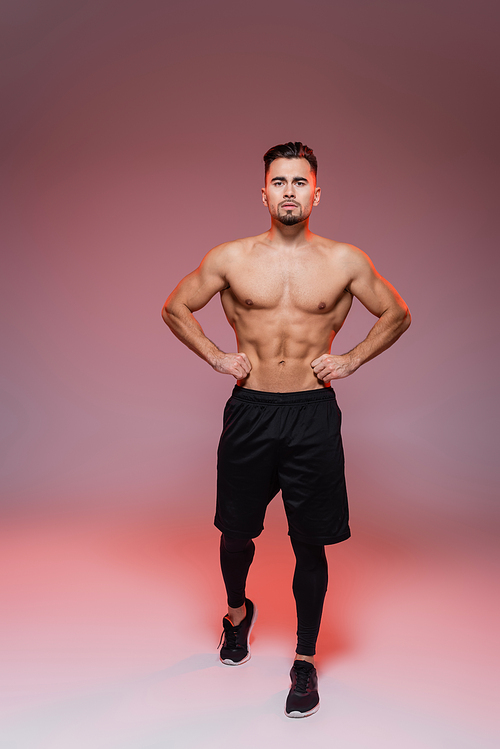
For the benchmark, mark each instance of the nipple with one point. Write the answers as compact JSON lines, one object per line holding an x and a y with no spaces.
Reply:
{"x":321,"y":305}
{"x":249,"y":302}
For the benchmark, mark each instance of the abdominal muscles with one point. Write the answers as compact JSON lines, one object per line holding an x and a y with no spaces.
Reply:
{"x":281,"y":350}
{"x":282,"y":377}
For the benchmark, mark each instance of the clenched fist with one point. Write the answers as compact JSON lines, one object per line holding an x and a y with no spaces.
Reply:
{"x":328,"y":367}
{"x":237,"y":365}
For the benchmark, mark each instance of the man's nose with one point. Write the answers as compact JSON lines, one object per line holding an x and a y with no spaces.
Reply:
{"x":289,"y":192}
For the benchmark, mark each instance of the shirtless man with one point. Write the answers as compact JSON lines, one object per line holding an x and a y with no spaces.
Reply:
{"x":286,"y":293}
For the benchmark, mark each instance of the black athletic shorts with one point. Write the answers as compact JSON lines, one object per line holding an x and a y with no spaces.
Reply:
{"x":287,"y":441}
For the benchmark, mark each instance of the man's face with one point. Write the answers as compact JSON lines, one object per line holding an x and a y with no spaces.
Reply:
{"x":290,"y":192}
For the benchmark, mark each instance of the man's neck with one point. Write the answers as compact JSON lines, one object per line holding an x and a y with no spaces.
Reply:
{"x":289,"y":236}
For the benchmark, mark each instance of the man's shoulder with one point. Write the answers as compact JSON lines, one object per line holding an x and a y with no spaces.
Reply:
{"x":337,"y":250}
{"x":233,"y":249}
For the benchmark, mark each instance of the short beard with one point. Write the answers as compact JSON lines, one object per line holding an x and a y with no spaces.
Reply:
{"x":289,"y":219}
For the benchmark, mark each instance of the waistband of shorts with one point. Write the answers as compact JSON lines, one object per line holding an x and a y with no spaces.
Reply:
{"x":283,"y":399}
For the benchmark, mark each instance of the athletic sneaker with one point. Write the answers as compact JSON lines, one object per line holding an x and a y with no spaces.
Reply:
{"x":303,"y":697}
{"x":235,"y":649}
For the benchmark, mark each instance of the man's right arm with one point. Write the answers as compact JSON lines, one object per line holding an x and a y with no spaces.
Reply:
{"x":193,"y":293}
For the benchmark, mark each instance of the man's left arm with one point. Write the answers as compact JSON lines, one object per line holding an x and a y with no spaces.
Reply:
{"x":383,"y":301}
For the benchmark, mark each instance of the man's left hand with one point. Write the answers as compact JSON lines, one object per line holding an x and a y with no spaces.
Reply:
{"x":328,"y":367}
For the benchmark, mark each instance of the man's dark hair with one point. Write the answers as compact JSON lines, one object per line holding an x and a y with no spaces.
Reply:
{"x":291,"y":150}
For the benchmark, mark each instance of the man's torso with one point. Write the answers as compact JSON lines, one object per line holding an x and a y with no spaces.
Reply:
{"x":285,"y":305}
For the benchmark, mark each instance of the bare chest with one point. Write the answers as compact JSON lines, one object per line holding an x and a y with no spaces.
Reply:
{"x":310,"y":284}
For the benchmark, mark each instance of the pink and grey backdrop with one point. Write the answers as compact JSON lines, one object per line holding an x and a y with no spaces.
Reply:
{"x":131,"y":142}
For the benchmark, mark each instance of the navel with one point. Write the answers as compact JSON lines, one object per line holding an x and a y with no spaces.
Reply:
{"x":249,"y":302}
{"x":281,"y":362}
{"x":321,"y":305}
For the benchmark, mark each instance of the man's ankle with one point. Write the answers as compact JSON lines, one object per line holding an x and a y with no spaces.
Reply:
{"x":236,"y":616}
{"x":308,"y":658}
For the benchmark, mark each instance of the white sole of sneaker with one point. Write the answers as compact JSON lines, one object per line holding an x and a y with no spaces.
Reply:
{"x":227,"y":661}
{"x":298,"y":714}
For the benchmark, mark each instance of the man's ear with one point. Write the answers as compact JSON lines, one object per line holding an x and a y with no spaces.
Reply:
{"x":317,"y":195}
{"x":264,"y":196}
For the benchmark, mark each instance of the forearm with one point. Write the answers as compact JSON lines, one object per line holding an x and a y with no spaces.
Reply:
{"x":187,"y":329}
{"x":386,"y":331}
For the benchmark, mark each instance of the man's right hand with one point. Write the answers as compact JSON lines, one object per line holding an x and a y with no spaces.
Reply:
{"x":237,"y":365}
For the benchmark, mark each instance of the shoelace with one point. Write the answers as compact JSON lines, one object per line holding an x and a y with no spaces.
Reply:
{"x":231,"y":635}
{"x":302,"y":679}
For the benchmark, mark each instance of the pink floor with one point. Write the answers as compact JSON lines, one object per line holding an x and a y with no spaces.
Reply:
{"x":109,"y":635}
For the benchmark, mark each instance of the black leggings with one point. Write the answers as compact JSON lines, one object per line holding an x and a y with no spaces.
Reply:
{"x":310,"y":582}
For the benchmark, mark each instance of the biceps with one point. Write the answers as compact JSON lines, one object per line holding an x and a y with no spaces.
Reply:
{"x":195,"y":290}
{"x":376,"y":293}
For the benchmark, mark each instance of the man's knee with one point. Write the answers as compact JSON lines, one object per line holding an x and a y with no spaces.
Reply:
{"x":309,"y":555}
{"x":235,"y":545}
